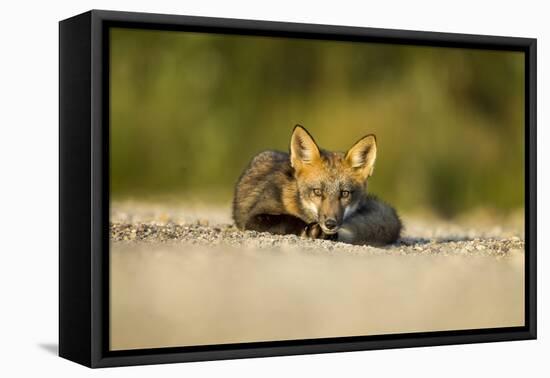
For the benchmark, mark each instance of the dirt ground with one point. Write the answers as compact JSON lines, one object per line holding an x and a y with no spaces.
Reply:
{"x":183,"y":275}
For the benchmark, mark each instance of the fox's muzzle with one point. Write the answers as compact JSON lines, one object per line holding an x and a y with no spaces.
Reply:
{"x":330,"y":218}
{"x":331,"y":224}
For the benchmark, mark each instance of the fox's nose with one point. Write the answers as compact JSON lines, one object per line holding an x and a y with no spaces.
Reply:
{"x":331,"y":224}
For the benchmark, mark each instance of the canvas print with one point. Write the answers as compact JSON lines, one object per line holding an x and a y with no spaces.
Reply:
{"x":276,"y":188}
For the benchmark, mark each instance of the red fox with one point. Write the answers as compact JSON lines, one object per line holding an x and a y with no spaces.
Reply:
{"x":315,"y":193}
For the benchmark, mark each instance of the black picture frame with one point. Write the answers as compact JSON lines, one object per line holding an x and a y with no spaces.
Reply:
{"x":84,"y":188}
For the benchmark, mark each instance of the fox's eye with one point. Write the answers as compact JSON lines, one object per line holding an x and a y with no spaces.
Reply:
{"x":317,"y":192}
{"x":344,"y":193}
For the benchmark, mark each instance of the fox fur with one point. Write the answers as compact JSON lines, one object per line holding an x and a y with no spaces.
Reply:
{"x":315,"y":193}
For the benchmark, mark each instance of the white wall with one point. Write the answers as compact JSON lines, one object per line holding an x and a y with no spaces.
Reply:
{"x":28,"y":151}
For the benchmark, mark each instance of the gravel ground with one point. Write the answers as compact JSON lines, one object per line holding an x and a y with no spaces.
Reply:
{"x":183,"y":275}
{"x":224,"y":234}
{"x":211,"y":226}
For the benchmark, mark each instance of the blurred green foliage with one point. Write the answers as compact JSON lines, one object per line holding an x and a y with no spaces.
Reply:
{"x":189,"y":110}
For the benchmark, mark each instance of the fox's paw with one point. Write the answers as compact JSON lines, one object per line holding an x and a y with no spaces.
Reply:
{"x":314,"y":231}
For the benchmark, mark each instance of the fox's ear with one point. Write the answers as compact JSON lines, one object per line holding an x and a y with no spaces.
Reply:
{"x":362,"y":155}
{"x":303,"y":149}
